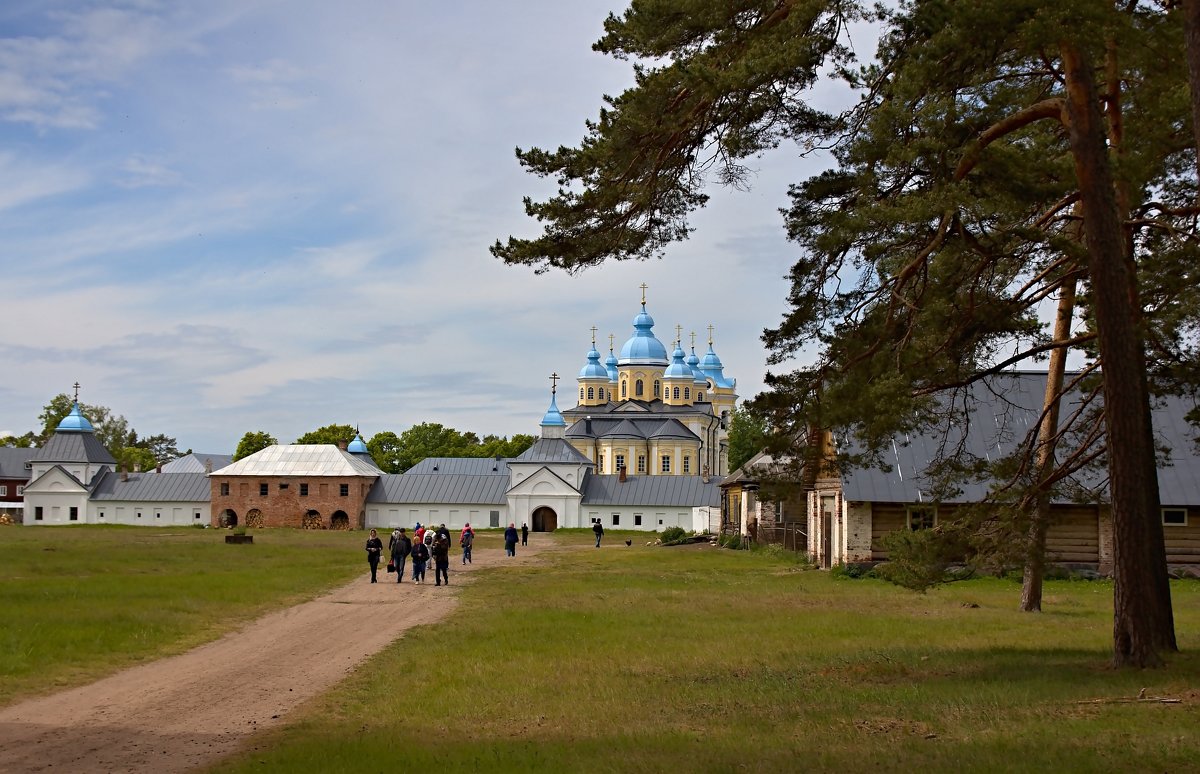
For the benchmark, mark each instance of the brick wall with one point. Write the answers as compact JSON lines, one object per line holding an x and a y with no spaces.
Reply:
{"x":284,"y":505}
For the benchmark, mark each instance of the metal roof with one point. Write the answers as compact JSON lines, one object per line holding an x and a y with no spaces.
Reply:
{"x":73,"y":447}
{"x":13,"y":461}
{"x":640,"y":426}
{"x":673,"y":428}
{"x":651,"y":491}
{"x":551,"y":450}
{"x":1004,"y":410}
{"x":471,"y":466}
{"x":195,"y":462}
{"x":300,"y":459}
{"x":439,"y":488}
{"x":153,"y":487}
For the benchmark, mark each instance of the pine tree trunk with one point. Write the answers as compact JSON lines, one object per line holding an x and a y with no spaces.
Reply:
{"x":1035,"y":557}
{"x":1191,"y":33}
{"x":1143,"y":624}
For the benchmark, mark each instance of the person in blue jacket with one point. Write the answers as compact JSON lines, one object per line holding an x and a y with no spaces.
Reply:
{"x":510,"y":540}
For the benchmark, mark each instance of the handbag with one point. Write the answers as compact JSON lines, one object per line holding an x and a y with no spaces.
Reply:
{"x":391,"y":566}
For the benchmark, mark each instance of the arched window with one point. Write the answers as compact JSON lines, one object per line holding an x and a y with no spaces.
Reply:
{"x":624,"y":389}
{"x":639,"y":388}
{"x":641,"y":463}
{"x":601,"y":393}
{"x":581,"y":393}
{"x":675,"y":393}
{"x":657,"y":387}
{"x":699,"y":396}
{"x":687,"y":393}
{"x":591,"y":393}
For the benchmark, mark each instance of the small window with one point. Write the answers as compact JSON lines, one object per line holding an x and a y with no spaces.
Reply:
{"x":639,"y":388}
{"x":600,"y":463}
{"x":282,"y":487}
{"x":641,"y":463}
{"x":1174,"y":517}
{"x":262,"y":489}
{"x":657,"y":387}
{"x":675,"y":393}
{"x":620,"y":461}
{"x":637,"y":519}
{"x":3,"y":490}
{"x":666,"y":463}
{"x":37,"y":513}
{"x":687,"y":393}
{"x":197,"y":514}
{"x":158,"y":515}
{"x":581,"y":393}
{"x":687,"y":464}
{"x":304,"y":490}
{"x":74,"y":513}
{"x":101,"y":514}
{"x":601,"y":393}
{"x":344,"y":490}
{"x":699,"y":396}
{"x":225,"y":490}
{"x":624,"y":389}
{"x":20,"y":491}
{"x":591,"y":393}
{"x":616,"y":519}
{"x":921,"y":518}
{"x":139,"y":514}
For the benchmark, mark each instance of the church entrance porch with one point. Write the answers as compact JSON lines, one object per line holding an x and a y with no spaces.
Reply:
{"x":545,"y":520}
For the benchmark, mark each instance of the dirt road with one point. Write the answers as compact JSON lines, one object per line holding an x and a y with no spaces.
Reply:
{"x":190,"y":710}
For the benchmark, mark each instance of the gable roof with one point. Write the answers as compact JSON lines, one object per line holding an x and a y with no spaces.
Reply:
{"x":539,"y":476}
{"x":195,"y":463}
{"x":471,"y":466}
{"x":651,"y":491}
{"x":13,"y":462}
{"x":57,"y":471}
{"x":157,"y":487}
{"x":438,"y":488}
{"x":301,"y":459}
{"x":1003,"y":410}
{"x":548,"y":450}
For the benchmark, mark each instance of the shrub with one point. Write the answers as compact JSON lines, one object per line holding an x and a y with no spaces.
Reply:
{"x":918,"y":559}
{"x":672,"y":535}
{"x":852,"y":571}
{"x":731,"y":541}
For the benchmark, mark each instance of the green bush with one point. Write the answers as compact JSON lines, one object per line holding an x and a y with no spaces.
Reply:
{"x":731,"y":541}
{"x":673,"y":535}
{"x":852,"y":571}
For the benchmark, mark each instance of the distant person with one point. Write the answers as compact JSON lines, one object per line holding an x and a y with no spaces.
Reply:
{"x":443,"y":532}
{"x":598,"y":529}
{"x":419,"y":534}
{"x":510,"y":540}
{"x":420,"y":555}
{"x":524,"y":534}
{"x":441,"y":559}
{"x":401,"y":547}
{"x":466,"y":540}
{"x":374,"y":551}
{"x":427,"y":539}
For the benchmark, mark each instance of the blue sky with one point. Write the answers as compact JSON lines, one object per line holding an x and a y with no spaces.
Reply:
{"x":231,"y":216}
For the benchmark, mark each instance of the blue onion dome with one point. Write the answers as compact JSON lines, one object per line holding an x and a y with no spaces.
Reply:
{"x":553,"y":417}
{"x":611,"y":366}
{"x":711,"y":365}
{"x":642,"y":347}
{"x":678,"y":369}
{"x":75,"y":422}
{"x":693,"y":361}
{"x":357,"y":446}
{"x":593,"y":369}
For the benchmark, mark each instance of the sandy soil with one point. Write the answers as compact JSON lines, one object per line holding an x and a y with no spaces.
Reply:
{"x":190,"y":710}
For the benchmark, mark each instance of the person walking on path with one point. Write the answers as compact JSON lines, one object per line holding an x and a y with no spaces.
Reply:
{"x":441,"y":559}
{"x":524,"y":534}
{"x":467,"y":540}
{"x":374,"y":551}
{"x":420,"y":555}
{"x":598,"y":528}
{"x":510,"y":540}
{"x":401,"y":547}
{"x":419,"y":534}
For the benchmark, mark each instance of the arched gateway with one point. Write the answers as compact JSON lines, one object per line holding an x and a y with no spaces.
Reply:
{"x":545,"y":520}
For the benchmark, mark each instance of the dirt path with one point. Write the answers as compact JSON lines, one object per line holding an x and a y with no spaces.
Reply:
{"x":189,"y":710}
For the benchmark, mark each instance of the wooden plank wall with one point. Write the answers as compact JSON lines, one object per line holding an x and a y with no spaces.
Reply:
{"x":1183,"y":543}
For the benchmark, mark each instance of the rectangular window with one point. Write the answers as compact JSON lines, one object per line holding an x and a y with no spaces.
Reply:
{"x":494,"y":518}
{"x":197,"y":514}
{"x":620,"y":461}
{"x":616,"y":519}
{"x":304,"y":490}
{"x":344,"y":490}
{"x":225,"y":490}
{"x":157,"y":515}
{"x":262,"y":489}
{"x":282,"y":487}
{"x":1174,"y":517}
{"x":666,"y":463}
{"x":641,"y":463}
{"x":139,"y":514}
{"x":600,"y":463}
{"x":37,"y":513}
{"x":637,"y":519}
{"x":687,"y":464}
{"x":102,"y":514}
{"x":20,"y":491}
{"x":74,"y":514}
{"x":921,"y":518}
{"x":3,"y":490}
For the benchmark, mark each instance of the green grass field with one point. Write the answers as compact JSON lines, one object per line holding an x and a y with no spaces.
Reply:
{"x":627,"y":659}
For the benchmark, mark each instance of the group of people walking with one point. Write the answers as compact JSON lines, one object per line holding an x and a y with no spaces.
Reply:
{"x":426,"y":544}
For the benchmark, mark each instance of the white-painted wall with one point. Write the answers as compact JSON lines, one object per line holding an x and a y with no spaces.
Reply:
{"x":456,"y":516}
{"x":152,"y":514}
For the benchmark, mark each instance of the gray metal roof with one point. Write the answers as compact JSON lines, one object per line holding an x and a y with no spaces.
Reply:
{"x":439,"y":488}
{"x":546,"y":450}
{"x":195,"y":462}
{"x":73,"y":447}
{"x":301,"y":459}
{"x":651,"y":491}
{"x":153,"y":487}
{"x":638,"y":426}
{"x":1004,"y":411}
{"x":673,"y":428}
{"x":13,"y":460}
{"x":471,"y":466}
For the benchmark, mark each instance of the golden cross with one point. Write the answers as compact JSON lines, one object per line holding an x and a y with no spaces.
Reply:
{"x":678,"y":335}
{"x":593,"y":337}
{"x":693,"y":339}
{"x":76,"y":385}
{"x":710,"y":330}
{"x":610,"y":342}
{"x":643,"y":287}
{"x":554,"y":377}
